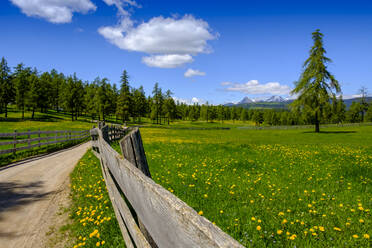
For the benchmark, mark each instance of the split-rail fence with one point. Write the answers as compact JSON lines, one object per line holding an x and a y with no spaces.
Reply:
{"x":38,"y":138}
{"x":148,"y":214}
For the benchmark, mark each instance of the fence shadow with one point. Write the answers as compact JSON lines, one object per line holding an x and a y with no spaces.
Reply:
{"x":331,"y":132}
{"x":14,"y":195}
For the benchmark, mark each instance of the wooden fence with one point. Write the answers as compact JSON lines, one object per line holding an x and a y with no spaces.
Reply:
{"x":148,"y":214}
{"x":51,"y":137}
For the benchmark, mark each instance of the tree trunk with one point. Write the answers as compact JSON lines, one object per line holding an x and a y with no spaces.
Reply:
{"x":33,"y":113}
{"x":6,"y":111}
{"x":72,"y":115}
{"x":23,"y":112}
{"x":316,"y":123}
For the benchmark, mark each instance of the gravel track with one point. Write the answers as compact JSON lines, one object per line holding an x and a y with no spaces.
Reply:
{"x":30,"y":195}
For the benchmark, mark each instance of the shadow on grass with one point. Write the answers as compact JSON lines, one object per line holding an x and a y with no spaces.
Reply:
{"x":331,"y":132}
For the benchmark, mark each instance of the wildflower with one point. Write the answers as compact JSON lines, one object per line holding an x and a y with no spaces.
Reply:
{"x":103,"y":242}
{"x":321,"y":228}
{"x":221,"y":211}
{"x":98,"y":244}
{"x":293,"y":237}
{"x":279,"y":232}
{"x":284,"y":221}
{"x":366,"y":236}
{"x":93,"y":233}
{"x":355,"y":236}
{"x":258,"y":228}
{"x":200,"y":212}
{"x":253,"y":218}
{"x":281,"y":213}
{"x":337,"y":229}
{"x":361,"y":221}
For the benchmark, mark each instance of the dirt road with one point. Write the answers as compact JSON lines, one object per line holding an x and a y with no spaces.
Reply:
{"x":29,"y":196}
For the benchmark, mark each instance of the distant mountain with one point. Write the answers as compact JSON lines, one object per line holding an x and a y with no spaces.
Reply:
{"x":348,"y":102}
{"x":275,"y":99}
{"x":245,"y":100}
{"x":278,"y":102}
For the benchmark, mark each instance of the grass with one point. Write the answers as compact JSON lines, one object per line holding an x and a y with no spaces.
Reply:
{"x":274,"y":188}
{"x":93,"y":218}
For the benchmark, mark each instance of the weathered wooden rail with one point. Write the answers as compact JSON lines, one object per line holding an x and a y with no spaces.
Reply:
{"x":148,"y":214}
{"x":51,"y":137}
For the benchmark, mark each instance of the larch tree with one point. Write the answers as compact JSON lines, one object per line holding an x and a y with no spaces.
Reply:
{"x":316,"y":84}
{"x":22,"y":86}
{"x":363,"y":102}
{"x":124,"y":99}
{"x":7,"y":91}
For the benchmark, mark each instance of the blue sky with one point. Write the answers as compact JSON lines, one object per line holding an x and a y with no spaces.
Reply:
{"x":216,"y":51}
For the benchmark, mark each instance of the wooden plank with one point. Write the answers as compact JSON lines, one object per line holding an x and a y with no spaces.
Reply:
{"x":170,"y":221}
{"x":6,"y":151}
{"x":139,"y":152}
{"x":37,"y":132}
{"x":133,"y":150}
{"x":125,"y":214}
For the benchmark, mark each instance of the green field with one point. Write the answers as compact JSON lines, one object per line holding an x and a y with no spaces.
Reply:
{"x":271,"y":187}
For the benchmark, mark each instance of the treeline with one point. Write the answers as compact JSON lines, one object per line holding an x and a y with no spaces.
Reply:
{"x":31,"y":90}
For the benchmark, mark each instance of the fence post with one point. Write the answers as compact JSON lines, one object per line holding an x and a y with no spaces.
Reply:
{"x":29,"y":137}
{"x":15,"y":142}
{"x":132,"y":149}
{"x":39,"y":138}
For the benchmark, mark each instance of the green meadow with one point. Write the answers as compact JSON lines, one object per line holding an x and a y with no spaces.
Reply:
{"x":274,"y":188}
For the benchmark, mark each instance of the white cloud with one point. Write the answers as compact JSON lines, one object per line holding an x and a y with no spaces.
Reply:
{"x":161,"y":36}
{"x":255,"y":88}
{"x":191,"y":101}
{"x":55,"y":11}
{"x":121,"y":4}
{"x":167,"y":61}
{"x":191,"y":73}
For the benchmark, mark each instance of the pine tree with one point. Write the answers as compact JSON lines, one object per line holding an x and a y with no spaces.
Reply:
{"x":157,"y":102}
{"x":124,"y":99}
{"x":22,"y":85}
{"x":244,"y":115}
{"x":363,"y":102}
{"x":34,"y":99}
{"x":316,"y":84}
{"x":7,"y":91}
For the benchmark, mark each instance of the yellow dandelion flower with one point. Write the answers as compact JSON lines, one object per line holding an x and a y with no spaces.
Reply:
{"x":200,"y":212}
{"x":337,"y":229}
{"x":258,"y":228}
{"x":279,"y":232}
{"x":293,"y":237}
{"x":355,"y":236}
{"x":321,"y":228}
{"x":366,"y":236}
{"x":98,"y":244}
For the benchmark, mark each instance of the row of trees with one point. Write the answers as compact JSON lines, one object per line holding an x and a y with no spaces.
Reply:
{"x":31,"y":90}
